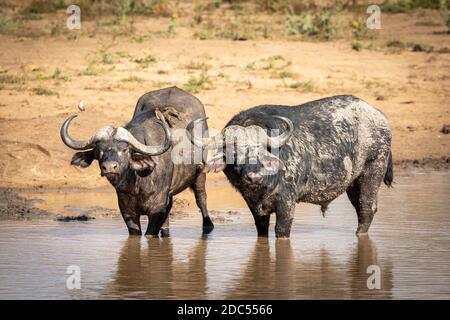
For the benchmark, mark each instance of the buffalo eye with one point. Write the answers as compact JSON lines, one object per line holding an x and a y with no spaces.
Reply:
{"x":136,"y":156}
{"x":122,"y":147}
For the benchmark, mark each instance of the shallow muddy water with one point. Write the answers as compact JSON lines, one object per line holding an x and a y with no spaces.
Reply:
{"x":409,"y":242}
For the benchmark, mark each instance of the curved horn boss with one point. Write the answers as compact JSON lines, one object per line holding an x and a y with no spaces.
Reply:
{"x":121,"y":134}
{"x":211,"y":142}
{"x":124,"y":135}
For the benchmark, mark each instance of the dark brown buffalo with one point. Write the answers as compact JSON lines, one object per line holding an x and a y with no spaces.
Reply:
{"x":136,"y":159}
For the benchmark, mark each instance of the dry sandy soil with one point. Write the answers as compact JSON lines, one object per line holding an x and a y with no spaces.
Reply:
{"x":111,"y":71}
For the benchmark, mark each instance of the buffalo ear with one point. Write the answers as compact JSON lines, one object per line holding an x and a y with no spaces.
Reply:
{"x":216,"y":164}
{"x":141,"y":162}
{"x":83,"y":159}
{"x":170,"y":115}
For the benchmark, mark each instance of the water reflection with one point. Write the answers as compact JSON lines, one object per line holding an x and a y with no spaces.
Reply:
{"x":365,"y":255}
{"x":323,"y":258}
{"x":147,"y":269}
{"x":285,"y":276}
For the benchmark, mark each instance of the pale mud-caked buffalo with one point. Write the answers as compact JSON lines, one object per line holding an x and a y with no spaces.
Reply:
{"x":136,"y":159}
{"x":326,"y":147}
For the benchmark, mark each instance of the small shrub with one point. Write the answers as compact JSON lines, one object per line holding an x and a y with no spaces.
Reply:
{"x":202,"y":35}
{"x":145,"y":61}
{"x":123,"y":8}
{"x":10,"y":79}
{"x":196,"y":66}
{"x":405,"y":6}
{"x":195,"y":85}
{"x":357,"y":45}
{"x":316,"y":25}
{"x":284,"y":74}
{"x":90,"y":70}
{"x":359,"y":29}
{"x":57,"y":74}
{"x":107,"y":58}
{"x":9,"y":25}
{"x":40,"y":91}
{"x":136,"y":38}
{"x":133,"y":79}
{"x":307,"y":86}
{"x":445,"y":13}
{"x":250,"y":66}
{"x":44,"y":6}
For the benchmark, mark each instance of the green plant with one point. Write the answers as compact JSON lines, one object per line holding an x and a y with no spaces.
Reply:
{"x":401,"y":45}
{"x":316,"y":25}
{"x":283,"y":5}
{"x":10,"y":79}
{"x":56,"y":29}
{"x":276,"y":65}
{"x":235,"y":30}
{"x":307,"y":86}
{"x":196,"y":66}
{"x":137,"y":38}
{"x":171,"y":26}
{"x":90,"y":70}
{"x":250,"y":66}
{"x":197,"y":84}
{"x":9,"y":25}
{"x":107,"y":58}
{"x":57,"y":74}
{"x":40,"y":91}
{"x":359,"y":29}
{"x":145,"y":61}
{"x":357,"y":45}
{"x":284,"y":74}
{"x":132,"y":78}
{"x":123,"y":54}
{"x":48,"y":6}
{"x":202,"y":35}
{"x":405,"y":6}
{"x":445,"y":13}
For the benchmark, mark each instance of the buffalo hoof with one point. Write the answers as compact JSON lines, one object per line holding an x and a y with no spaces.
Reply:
{"x":263,"y":235}
{"x":134,"y":232}
{"x":282,"y":235}
{"x":148,"y":235}
{"x":208,"y":225}
{"x":208,"y":229}
{"x":362,"y":229}
{"x":165,"y":233}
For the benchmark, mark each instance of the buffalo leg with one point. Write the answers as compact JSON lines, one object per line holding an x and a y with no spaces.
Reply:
{"x":200,"y":198}
{"x":156,"y":221}
{"x":262,"y":223}
{"x":363,"y":194}
{"x":353,"y":193}
{"x":165,"y":231}
{"x":165,"y":227}
{"x":159,"y":222}
{"x":285,"y":217}
{"x":133,"y":224}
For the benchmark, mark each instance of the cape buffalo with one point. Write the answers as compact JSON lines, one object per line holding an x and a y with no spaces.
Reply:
{"x":136,"y":159}
{"x":328,"y":146}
